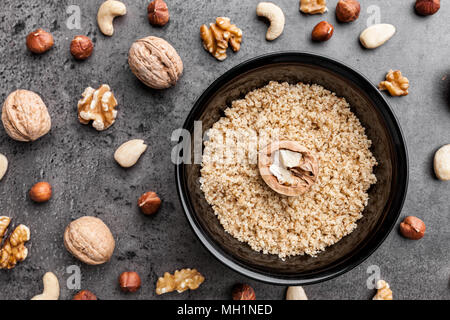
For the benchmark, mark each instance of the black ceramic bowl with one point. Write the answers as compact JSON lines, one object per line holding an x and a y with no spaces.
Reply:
{"x":386,"y":196}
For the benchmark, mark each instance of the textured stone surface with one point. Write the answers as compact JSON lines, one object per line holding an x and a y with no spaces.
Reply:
{"x":78,"y":160}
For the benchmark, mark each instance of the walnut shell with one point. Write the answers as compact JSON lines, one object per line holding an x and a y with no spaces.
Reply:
{"x":89,"y":240}
{"x":305,"y":175}
{"x":155,"y":62}
{"x":25,"y":116}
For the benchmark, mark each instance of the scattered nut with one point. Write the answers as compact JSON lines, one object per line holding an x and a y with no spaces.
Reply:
{"x":39,"y":41}
{"x":98,"y":106}
{"x":106,"y":14}
{"x":395,"y":83}
{"x":149,"y":203}
{"x":243,"y":292}
{"x":51,"y":288}
{"x":41,"y":192}
{"x":81,"y":47}
{"x":13,"y":250}
{"x":25,"y":116}
{"x":323,"y":31}
{"x":128,"y":154}
{"x":427,"y":7}
{"x":275,"y":15}
{"x":412,"y":228}
{"x":4,"y":224}
{"x":313,"y":6}
{"x":296,"y":293}
{"x":348,"y":10}
{"x":217,"y":37}
{"x":158,"y":13}
{"x":129,"y":282}
{"x":288,"y":168}
{"x":442,"y":163}
{"x":85,"y":295}
{"x":181,"y":281}
{"x":384,"y":292}
{"x":155,"y":62}
{"x":376,"y":35}
{"x":89,"y":240}
{"x":3,"y":167}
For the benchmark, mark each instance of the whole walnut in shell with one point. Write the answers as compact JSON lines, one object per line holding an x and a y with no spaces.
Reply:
{"x":25,"y":116}
{"x":155,"y":62}
{"x":89,"y":240}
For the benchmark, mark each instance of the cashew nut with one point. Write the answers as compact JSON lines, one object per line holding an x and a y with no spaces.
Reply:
{"x":51,"y":288}
{"x":275,"y":15}
{"x":106,"y":14}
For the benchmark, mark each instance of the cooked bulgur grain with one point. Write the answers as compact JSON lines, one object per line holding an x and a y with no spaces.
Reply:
{"x":248,"y":209}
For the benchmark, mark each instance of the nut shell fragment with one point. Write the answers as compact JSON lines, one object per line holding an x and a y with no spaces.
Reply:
{"x":155,"y":62}
{"x":89,"y":240}
{"x":25,"y":116}
{"x":301,"y":177}
{"x":180,"y":281}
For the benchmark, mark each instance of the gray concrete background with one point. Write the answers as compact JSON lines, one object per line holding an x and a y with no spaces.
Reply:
{"x":78,"y":161}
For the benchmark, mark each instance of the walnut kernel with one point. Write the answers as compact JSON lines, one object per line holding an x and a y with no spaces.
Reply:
{"x":13,"y":250}
{"x":313,"y":6}
{"x":180,"y":281}
{"x":384,"y":291}
{"x":219,"y":35}
{"x":98,"y":106}
{"x":395,"y":83}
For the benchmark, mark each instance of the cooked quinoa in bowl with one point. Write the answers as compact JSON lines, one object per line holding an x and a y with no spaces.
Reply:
{"x":250,"y":210}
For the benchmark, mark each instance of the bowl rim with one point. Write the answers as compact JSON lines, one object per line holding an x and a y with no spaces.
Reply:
{"x":399,"y":144}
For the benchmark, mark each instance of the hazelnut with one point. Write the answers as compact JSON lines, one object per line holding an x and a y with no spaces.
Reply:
{"x":39,"y":41}
{"x":427,"y":7}
{"x":412,"y":228}
{"x":129,"y":282}
{"x":323,"y":31}
{"x":158,"y":13}
{"x":348,"y":10}
{"x":41,"y":192}
{"x":149,"y":203}
{"x":85,"y":295}
{"x":81,"y":47}
{"x":243,"y":292}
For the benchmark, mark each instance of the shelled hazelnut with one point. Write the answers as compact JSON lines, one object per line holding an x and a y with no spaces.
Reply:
{"x":129,"y":282}
{"x":39,"y":41}
{"x":158,"y":13}
{"x":243,"y":292}
{"x":41,"y":192}
{"x":348,"y":10}
{"x":85,"y":295}
{"x":323,"y":31}
{"x":81,"y":47}
{"x":427,"y":7}
{"x":412,"y":228}
{"x":149,"y":203}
